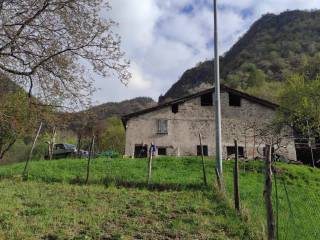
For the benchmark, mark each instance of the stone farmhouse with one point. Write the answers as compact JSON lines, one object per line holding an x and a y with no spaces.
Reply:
{"x":174,"y":127}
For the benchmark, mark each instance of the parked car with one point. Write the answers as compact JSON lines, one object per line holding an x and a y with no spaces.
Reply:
{"x":63,"y":150}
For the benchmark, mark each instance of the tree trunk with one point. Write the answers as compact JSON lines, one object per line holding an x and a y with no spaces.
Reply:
{"x":6,"y":149}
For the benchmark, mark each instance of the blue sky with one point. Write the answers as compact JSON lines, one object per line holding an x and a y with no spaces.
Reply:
{"x":163,"y":38}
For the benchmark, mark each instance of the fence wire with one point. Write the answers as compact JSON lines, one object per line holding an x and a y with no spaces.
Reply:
{"x":296,"y":198}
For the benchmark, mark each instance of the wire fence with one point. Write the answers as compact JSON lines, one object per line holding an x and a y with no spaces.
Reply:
{"x":295,"y":198}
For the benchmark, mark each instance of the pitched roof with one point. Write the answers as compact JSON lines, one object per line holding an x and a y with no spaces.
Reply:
{"x":251,"y":98}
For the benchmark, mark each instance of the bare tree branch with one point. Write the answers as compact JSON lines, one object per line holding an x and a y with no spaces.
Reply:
{"x":48,"y":45}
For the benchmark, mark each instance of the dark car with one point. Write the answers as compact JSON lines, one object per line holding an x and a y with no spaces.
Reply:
{"x":63,"y":150}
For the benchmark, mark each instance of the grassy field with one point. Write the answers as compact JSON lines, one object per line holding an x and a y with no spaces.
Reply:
{"x":117,"y":204}
{"x":296,"y":198}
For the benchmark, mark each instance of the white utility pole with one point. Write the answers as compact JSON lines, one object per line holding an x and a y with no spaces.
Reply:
{"x":217,"y":93}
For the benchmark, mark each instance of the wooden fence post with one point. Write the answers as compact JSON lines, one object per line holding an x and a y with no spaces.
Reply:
{"x":52,"y":142}
{"x":89,"y":158}
{"x":236,"y":178}
{"x":203,"y":164}
{"x":25,"y":171}
{"x":150,"y":165}
{"x":268,"y":195}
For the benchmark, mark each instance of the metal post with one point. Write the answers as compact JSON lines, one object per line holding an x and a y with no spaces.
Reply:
{"x":217,"y":94}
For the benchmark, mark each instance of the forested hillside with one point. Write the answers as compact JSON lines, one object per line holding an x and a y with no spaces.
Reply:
{"x":118,"y":109}
{"x":275,"y":47}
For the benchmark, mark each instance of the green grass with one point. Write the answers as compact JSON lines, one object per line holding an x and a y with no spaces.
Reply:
{"x":116,"y":204}
{"x":184,"y":173}
{"x":298,"y":189}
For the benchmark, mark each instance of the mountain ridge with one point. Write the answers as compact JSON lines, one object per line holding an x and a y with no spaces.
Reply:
{"x":274,"y":47}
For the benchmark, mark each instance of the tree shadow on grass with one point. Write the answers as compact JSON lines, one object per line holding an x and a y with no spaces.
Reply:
{"x":117,"y":182}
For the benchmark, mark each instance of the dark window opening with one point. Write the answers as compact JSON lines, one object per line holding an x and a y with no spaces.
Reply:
{"x":59,"y":146}
{"x":141,"y":151}
{"x":234,"y":100}
{"x":205,"y":150}
{"x":207,"y":100}
{"x":265,"y":153}
{"x":231,"y":150}
{"x":304,"y":156}
{"x":175,"y":108}
{"x":162,"y":151}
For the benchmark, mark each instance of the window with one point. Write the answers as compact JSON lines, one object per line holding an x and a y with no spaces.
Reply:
{"x":265,"y":153}
{"x":234,"y":100}
{"x":141,"y":151}
{"x":162,"y":126}
{"x":59,"y":146}
{"x":205,"y":150}
{"x":206,"y":99}
{"x":175,"y":108}
{"x":162,"y":151}
{"x":231,"y":150}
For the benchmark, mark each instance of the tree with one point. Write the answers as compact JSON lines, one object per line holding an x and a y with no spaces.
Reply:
{"x":83,"y":124}
{"x":113,"y":137}
{"x":14,"y":119}
{"x":300,"y":105}
{"x":48,"y":45}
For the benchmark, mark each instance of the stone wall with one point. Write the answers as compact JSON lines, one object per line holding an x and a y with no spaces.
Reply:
{"x":240,"y":123}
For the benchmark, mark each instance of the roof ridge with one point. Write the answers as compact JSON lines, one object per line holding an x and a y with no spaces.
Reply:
{"x":244,"y":95}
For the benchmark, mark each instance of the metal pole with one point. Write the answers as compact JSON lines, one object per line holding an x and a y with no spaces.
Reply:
{"x":217,"y":93}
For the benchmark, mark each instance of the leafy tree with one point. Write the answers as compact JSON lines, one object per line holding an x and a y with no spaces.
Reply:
{"x":113,"y":137}
{"x":15,"y":119}
{"x":311,"y":69}
{"x":256,"y":78}
{"x":84,"y":125}
{"x":300,"y":104}
{"x":48,"y":44}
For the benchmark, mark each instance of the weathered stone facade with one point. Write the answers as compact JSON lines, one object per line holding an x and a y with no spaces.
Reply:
{"x":182,"y":138}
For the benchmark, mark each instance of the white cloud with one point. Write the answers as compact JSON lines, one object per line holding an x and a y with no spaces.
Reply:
{"x":163,"y":38}
{"x":138,"y":80}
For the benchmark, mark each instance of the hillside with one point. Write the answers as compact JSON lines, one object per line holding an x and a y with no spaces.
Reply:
{"x":118,"y":109}
{"x":102,"y":111}
{"x":275,"y":47}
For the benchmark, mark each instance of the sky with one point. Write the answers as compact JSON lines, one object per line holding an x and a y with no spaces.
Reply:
{"x":163,"y":38}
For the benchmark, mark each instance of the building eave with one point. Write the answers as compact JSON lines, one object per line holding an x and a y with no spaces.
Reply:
{"x":246,"y":96}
